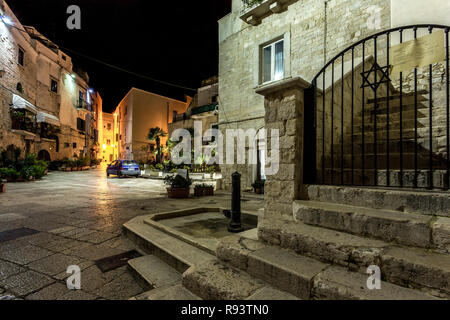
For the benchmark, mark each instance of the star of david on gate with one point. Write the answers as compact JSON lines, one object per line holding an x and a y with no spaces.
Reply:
{"x":381,"y":78}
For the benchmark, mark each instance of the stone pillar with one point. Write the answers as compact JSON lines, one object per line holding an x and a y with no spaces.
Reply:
{"x":284,"y":106}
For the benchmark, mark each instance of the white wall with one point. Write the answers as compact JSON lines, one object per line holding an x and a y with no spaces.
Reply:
{"x":407,"y":12}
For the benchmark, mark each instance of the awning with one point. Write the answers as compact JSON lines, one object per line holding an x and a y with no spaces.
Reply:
{"x":21,"y":103}
{"x":47,"y":118}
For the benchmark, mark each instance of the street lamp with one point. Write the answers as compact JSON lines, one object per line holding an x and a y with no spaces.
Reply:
{"x":6,"y":20}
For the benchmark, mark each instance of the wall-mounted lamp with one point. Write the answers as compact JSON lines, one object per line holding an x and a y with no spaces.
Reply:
{"x":6,"y":20}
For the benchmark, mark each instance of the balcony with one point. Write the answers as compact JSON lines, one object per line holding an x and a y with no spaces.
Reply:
{"x":83,"y":105}
{"x":255,"y":10}
{"x":48,"y":131}
{"x":23,"y":122}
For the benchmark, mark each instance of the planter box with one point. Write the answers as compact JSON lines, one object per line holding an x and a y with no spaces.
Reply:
{"x":196,"y":176}
{"x":178,"y":193}
{"x":203,"y":192}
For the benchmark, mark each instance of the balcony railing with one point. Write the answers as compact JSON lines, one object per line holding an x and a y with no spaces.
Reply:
{"x":204,"y":109}
{"x":83,"y":105}
{"x":24,"y":121}
{"x":48,"y":131}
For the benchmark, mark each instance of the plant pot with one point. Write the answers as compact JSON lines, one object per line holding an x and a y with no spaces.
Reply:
{"x":258,"y":191}
{"x":198,"y":192}
{"x":208,"y":192}
{"x":178,"y":193}
{"x":45,"y":172}
{"x":2,"y":188}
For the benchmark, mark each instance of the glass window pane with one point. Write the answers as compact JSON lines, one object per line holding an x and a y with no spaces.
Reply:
{"x":279,"y":60}
{"x":267,"y":65}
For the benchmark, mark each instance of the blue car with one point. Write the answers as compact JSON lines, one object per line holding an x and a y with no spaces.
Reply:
{"x":124,"y":168}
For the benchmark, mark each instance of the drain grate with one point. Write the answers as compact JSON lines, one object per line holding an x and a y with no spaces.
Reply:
{"x":16,"y":234}
{"x":117,"y":261}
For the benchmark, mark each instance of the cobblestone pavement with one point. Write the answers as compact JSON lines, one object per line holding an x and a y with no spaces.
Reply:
{"x":78,"y":217}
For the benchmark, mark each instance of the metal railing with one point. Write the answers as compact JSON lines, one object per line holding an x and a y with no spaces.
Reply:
{"x":370,"y":126}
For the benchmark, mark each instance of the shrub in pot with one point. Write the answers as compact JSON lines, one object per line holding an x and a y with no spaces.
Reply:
{"x":258,"y":186}
{"x":178,"y":186}
{"x":201,"y":190}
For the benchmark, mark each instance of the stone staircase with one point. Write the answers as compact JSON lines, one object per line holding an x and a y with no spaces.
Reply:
{"x":364,"y":154}
{"x":322,"y":251}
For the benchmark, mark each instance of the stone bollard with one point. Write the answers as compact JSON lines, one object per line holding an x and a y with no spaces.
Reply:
{"x":235,"y":224}
{"x":2,"y":186}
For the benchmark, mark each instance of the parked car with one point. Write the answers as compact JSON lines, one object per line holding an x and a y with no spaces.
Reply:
{"x":123,"y":168}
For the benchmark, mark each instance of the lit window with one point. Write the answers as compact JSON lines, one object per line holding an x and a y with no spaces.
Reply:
{"x":54,"y":86}
{"x":21,"y":57}
{"x":273,"y":61}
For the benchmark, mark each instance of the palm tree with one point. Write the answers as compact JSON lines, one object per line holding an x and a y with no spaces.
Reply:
{"x":155,"y":134}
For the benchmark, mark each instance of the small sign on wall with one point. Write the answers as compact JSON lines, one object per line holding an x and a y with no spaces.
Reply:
{"x":421,"y":52}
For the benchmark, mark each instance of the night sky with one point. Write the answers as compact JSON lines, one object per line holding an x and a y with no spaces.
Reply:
{"x":174,"y":41}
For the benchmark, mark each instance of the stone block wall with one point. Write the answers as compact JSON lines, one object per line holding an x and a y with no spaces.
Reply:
{"x":302,"y":26}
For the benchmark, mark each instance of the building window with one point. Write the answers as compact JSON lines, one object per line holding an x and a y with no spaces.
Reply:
{"x":117,"y":137}
{"x":126,"y":110}
{"x":74,"y":145}
{"x":21,"y":57}
{"x":109,"y":126}
{"x":81,"y":124}
{"x":19,"y":87}
{"x":54,"y":85}
{"x":273,"y":61}
{"x":152,"y":147}
{"x":108,"y":142}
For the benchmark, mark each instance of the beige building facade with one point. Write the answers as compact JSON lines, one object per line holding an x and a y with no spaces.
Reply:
{"x":47,"y":107}
{"x":136,"y":114}
{"x":108,"y":140}
{"x":203,"y":108}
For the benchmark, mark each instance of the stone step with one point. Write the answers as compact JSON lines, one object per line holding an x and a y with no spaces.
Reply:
{"x":435,"y":203}
{"x":152,"y":272}
{"x":395,"y":160}
{"x":213,"y":280}
{"x":390,"y":226}
{"x":396,"y":96}
{"x":305,"y":277}
{"x":280,"y":268}
{"x":340,"y":284}
{"x":176,"y":253}
{"x":408,"y":267}
{"x":440,"y":180}
{"x":175,"y":292}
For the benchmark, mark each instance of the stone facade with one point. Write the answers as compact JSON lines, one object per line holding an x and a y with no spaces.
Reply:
{"x":312,"y":35}
{"x":108,"y":142}
{"x":57,"y":96}
{"x":136,"y":114}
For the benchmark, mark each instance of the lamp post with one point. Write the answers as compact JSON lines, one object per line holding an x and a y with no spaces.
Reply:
{"x":235,"y":224}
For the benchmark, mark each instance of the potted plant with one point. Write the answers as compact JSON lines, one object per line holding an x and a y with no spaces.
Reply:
{"x":258,"y":186}
{"x":2,"y":186}
{"x":178,"y":186}
{"x":198,"y":190}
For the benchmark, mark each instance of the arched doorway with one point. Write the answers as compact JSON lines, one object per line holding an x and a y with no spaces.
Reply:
{"x":44,"y":155}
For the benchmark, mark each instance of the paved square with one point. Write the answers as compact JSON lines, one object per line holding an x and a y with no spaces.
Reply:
{"x":79,"y":217}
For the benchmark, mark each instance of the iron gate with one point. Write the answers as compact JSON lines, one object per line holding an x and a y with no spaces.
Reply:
{"x":373,"y":126}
